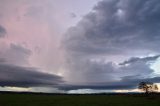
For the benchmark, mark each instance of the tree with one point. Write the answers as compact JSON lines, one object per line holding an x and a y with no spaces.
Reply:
{"x":148,"y":87}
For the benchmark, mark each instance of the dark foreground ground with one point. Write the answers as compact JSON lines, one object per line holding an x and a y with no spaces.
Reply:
{"x":25,"y":99}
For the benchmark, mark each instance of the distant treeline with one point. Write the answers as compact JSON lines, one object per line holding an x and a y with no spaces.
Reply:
{"x":41,"y":93}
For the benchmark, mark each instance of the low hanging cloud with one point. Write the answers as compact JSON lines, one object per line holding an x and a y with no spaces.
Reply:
{"x":119,"y":85}
{"x":112,"y":76}
{"x":114,"y":31}
{"x":16,"y":76}
{"x":3,"y":31}
{"x":15,"y":71}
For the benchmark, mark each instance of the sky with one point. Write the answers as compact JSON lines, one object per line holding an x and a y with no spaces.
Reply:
{"x":84,"y":46}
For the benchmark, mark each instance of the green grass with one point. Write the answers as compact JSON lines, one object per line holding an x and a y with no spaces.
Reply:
{"x":78,"y":100}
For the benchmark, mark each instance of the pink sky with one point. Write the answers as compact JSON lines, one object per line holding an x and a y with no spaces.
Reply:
{"x":39,"y":25}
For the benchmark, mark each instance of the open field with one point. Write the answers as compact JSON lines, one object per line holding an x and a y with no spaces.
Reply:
{"x":7,"y":99}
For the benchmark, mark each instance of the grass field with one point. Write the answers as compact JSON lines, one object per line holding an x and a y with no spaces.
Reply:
{"x":78,"y":100}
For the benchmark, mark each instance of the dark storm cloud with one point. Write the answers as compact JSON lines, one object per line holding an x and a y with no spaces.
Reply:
{"x":2,"y":31}
{"x":98,"y":87}
{"x":116,"y":27}
{"x":16,"y":76}
{"x":135,"y":59}
{"x":112,"y":76}
{"x":125,"y":83}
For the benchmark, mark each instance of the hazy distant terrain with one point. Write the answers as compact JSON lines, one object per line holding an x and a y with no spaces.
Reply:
{"x":7,"y":99}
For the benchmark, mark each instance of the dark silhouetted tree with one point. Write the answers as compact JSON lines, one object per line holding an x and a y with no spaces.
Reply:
{"x":148,"y":87}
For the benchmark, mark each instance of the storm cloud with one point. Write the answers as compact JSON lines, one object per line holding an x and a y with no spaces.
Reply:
{"x":117,"y":27}
{"x":135,"y":59}
{"x":16,"y":76}
{"x":115,"y":33}
{"x":113,"y":76}
{"x":16,"y":72}
{"x":114,"y":46}
{"x":125,"y":83}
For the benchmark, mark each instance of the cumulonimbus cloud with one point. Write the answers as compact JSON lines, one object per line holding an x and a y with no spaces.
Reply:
{"x":114,"y":30}
{"x":117,"y":27}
